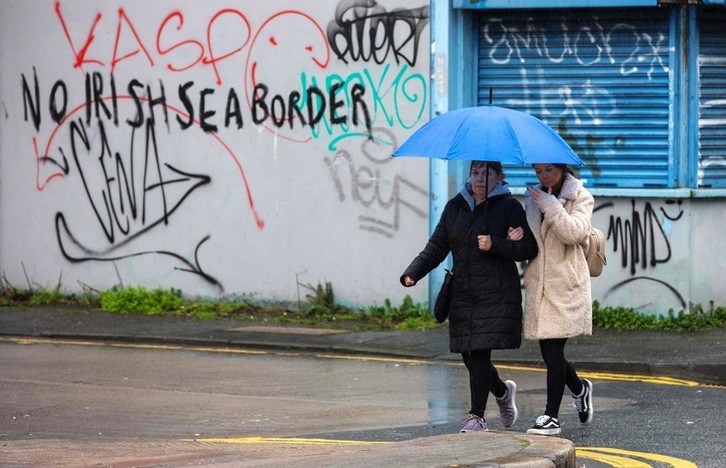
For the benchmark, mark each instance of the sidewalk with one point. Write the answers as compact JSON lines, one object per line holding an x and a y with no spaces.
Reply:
{"x":697,"y":356}
{"x":700,"y":357}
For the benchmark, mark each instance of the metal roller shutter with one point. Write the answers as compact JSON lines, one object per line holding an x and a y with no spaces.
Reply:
{"x":712,"y":99}
{"x":599,"y":77}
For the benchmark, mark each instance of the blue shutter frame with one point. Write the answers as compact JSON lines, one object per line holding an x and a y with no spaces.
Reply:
{"x":601,"y":78}
{"x":509,"y":4}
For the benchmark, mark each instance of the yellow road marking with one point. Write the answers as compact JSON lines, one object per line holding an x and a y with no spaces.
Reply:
{"x":362,"y":358}
{"x":375,"y":359}
{"x":640,"y":378}
{"x":29,"y":341}
{"x":287,"y":441}
{"x":592,"y":375}
{"x":713,"y":386}
{"x":619,"y":462}
{"x":595,"y":451}
{"x":604,"y":455}
{"x":618,"y":377}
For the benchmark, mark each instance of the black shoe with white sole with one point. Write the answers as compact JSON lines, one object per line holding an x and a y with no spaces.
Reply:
{"x":584,"y":403}
{"x":545,"y":425}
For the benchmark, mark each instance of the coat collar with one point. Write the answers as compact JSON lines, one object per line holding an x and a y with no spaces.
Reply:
{"x":502,"y":188}
{"x":570,"y":187}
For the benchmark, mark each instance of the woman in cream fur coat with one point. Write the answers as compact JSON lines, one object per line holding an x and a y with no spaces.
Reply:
{"x":557,"y":285}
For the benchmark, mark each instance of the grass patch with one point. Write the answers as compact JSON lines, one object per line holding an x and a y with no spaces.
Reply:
{"x":321,"y":309}
{"x":695,"y":319}
{"x":139,"y":299}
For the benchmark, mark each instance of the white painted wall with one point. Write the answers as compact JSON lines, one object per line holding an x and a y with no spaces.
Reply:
{"x":254,"y":211}
{"x":650,"y":261}
{"x":662,"y":253}
{"x":246,"y":211}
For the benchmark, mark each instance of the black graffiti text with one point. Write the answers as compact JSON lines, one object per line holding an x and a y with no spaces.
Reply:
{"x":128,"y":195}
{"x":130,"y":187}
{"x":365,"y":31}
{"x":280,"y":110}
{"x":638,"y":238}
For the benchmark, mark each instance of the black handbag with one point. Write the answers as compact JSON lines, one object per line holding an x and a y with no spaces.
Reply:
{"x":441,"y":308}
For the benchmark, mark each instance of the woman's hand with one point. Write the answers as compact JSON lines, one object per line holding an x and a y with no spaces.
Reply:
{"x":408,"y":281}
{"x":484,"y":242}
{"x":541,"y":198}
{"x":515,"y":234}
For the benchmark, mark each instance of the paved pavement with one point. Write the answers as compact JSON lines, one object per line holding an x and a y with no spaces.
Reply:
{"x":693,"y":356}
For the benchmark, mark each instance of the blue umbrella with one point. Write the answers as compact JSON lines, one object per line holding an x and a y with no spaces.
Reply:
{"x":489,"y":133}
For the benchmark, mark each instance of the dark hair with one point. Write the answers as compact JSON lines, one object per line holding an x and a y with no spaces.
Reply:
{"x":566,"y":169}
{"x":495,"y":165}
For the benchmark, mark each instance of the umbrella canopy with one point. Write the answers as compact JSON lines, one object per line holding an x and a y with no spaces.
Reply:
{"x":489,"y":133}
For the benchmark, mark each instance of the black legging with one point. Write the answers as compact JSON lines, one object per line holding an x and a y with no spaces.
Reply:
{"x":559,"y":373}
{"x":483,"y":378}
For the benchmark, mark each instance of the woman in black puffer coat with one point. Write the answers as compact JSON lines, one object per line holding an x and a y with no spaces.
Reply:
{"x":485,"y":310}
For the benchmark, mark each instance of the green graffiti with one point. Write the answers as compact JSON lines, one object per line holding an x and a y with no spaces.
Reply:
{"x":398,"y":100}
{"x":588,"y":152}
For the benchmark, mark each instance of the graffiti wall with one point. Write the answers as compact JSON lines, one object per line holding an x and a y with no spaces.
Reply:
{"x":224,"y":149}
{"x":661,"y":253}
{"x":243,"y":149}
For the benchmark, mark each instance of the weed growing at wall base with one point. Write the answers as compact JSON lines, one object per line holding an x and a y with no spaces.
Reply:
{"x":695,"y":319}
{"x":321,"y":309}
{"x":138,"y":299}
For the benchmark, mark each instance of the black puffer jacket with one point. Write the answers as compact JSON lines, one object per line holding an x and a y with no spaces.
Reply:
{"x":486,"y":296}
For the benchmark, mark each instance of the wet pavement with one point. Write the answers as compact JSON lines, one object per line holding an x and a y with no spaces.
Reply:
{"x":694,"y":356}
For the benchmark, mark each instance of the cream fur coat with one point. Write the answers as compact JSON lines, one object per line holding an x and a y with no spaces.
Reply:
{"x":558,"y":299}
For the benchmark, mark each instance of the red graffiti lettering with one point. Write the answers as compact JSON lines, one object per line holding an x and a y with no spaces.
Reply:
{"x":123,"y":19}
{"x":80,"y":56}
{"x":187,"y":44}
{"x":212,"y":59}
{"x":177,"y":48}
